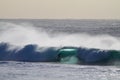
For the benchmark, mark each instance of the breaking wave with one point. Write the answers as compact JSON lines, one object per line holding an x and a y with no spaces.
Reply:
{"x":24,"y":42}
{"x":34,"y":53}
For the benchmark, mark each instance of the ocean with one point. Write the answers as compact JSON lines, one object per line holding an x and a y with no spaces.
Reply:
{"x":50,"y":49}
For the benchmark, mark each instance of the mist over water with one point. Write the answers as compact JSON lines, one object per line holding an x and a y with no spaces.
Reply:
{"x":24,"y":34}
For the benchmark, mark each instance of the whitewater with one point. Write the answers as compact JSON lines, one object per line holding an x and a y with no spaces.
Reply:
{"x":59,"y":49}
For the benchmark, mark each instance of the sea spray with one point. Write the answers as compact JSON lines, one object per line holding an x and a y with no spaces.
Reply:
{"x":24,"y":34}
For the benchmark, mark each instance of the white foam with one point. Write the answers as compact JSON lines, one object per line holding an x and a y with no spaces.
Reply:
{"x":24,"y":34}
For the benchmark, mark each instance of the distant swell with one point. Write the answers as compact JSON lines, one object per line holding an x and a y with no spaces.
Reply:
{"x":34,"y":53}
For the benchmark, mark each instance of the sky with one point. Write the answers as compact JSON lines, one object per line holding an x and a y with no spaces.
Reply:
{"x":60,"y":9}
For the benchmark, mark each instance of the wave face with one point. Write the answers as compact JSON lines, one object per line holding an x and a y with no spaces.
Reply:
{"x":95,"y":42}
{"x":28,"y":53}
{"x":33,"y":53}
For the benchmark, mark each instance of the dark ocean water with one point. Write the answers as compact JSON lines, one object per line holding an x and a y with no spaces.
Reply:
{"x":91,"y":49}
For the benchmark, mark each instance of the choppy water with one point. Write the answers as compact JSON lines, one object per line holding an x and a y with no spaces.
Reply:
{"x":52,"y":71}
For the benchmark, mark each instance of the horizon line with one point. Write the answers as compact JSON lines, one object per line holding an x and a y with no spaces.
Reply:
{"x":56,"y":19}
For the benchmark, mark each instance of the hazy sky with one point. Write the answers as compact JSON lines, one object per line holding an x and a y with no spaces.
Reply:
{"x":60,"y":9}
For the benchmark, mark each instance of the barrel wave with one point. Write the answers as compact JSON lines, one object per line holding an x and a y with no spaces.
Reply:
{"x":70,"y":55}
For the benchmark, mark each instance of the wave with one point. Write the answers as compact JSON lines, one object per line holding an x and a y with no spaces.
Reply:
{"x":28,"y":53}
{"x":24,"y":42}
{"x":74,"y":55}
